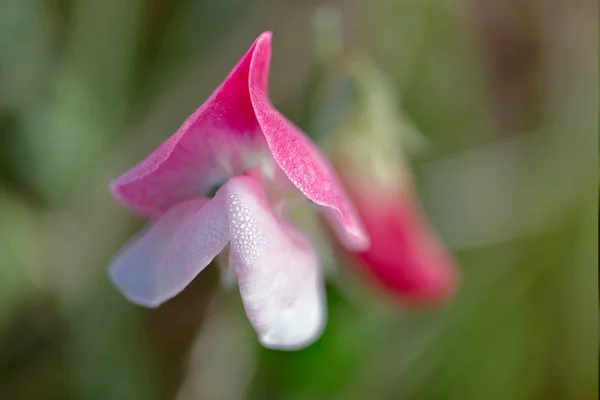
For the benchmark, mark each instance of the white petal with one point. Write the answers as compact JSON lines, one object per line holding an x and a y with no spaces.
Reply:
{"x":163,"y":259}
{"x":278,"y":273}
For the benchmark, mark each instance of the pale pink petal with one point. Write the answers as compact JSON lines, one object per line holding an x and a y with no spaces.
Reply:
{"x":166,"y":257}
{"x":219,"y":140}
{"x":278,"y":273}
{"x":299,"y":158}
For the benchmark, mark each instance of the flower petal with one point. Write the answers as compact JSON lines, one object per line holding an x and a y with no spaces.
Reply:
{"x":278,"y":273}
{"x":299,"y":158}
{"x":216,"y":142}
{"x":168,"y":255}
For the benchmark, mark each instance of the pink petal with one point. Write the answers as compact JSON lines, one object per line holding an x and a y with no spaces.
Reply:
{"x":212,"y":145}
{"x":278,"y":272}
{"x":166,"y":257}
{"x":299,"y":158}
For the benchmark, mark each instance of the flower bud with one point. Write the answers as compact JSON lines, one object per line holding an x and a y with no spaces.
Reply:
{"x":405,"y":256}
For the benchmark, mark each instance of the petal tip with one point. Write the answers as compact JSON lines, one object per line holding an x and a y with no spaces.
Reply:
{"x":292,"y":335}
{"x":115,"y":190}
{"x":116,"y":186}
{"x":361,"y":240}
{"x":265,"y":36}
{"x":114,"y":278}
{"x":275,"y":343}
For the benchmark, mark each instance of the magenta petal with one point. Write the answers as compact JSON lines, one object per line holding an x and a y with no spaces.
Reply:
{"x":165,"y":258}
{"x":299,"y":158}
{"x":278,"y":273}
{"x":212,"y":145}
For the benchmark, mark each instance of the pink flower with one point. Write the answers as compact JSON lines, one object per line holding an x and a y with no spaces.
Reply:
{"x":264,"y":166}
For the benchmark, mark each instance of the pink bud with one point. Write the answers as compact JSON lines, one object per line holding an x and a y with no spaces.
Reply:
{"x":405,"y":256}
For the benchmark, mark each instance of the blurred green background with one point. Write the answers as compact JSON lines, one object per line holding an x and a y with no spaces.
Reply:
{"x":506,"y":95}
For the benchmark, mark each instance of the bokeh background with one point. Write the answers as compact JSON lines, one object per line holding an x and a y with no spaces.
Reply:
{"x":505,"y":94}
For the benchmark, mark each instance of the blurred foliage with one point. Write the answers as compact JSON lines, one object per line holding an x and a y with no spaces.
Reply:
{"x":504,"y":92}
